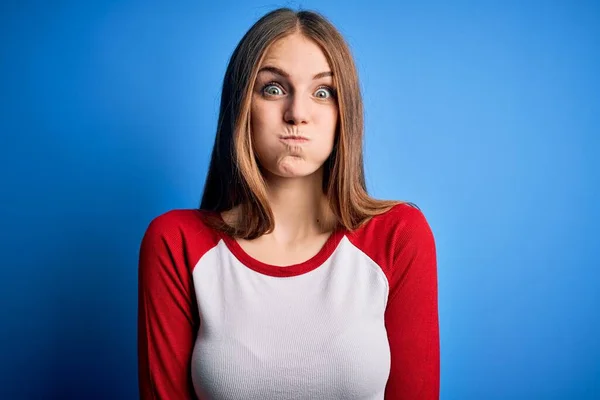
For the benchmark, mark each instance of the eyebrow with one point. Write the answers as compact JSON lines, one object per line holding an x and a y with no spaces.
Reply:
{"x":278,"y":71}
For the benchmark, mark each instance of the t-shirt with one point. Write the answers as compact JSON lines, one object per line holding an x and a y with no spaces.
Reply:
{"x":358,"y":320}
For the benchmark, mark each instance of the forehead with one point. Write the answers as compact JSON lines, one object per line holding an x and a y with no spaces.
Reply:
{"x":297,"y":55}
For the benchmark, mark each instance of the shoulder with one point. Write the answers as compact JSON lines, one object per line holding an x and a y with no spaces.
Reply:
{"x":180,"y":228}
{"x":404,"y":214}
{"x":406,"y":221}
{"x":401,"y":220}
{"x":399,"y":231}
{"x":175,"y":220}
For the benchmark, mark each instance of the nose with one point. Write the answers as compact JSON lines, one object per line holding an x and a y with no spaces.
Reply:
{"x":297,"y":110}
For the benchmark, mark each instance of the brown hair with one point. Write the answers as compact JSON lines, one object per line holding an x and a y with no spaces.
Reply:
{"x":234,"y":177}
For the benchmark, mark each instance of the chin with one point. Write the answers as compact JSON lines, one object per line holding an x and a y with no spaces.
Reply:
{"x":299,"y":170}
{"x":294,"y":173}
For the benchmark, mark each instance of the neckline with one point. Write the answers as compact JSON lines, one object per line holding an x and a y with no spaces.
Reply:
{"x":283,"y":270}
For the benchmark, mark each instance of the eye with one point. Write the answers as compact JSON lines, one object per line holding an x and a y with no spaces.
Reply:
{"x":272,"y":89}
{"x":325,"y":92}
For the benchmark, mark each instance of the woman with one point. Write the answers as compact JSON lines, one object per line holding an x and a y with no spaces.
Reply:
{"x":289,"y":282}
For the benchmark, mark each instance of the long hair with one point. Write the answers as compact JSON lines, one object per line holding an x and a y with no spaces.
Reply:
{"x":234,"y":177}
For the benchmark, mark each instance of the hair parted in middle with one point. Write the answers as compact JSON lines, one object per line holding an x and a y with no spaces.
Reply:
{"x":234,"y":176}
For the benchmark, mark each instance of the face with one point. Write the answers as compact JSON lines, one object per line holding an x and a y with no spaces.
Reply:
{"x":294,"y":109}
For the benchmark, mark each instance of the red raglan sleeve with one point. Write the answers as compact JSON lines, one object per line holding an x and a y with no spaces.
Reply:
{"x":166,"y":316}
{"x":411,"y":315}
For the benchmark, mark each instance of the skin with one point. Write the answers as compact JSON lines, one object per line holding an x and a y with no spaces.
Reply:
{"x":288,"y":100}
{"x":293,"y":105}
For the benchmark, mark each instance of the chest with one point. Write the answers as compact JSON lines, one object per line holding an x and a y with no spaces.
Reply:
{"x":316,"y":335}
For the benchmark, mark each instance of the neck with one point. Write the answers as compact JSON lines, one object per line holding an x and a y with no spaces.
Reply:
{"x":299,"y":206}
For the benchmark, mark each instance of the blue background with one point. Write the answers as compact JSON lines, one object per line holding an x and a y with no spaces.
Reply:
{"x":486,"y":114}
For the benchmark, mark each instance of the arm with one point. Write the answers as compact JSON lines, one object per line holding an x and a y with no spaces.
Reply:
{"x":166,"y":315}
{"x":411,"y":315}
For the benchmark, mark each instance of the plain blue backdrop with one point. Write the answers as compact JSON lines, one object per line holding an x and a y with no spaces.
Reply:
{"x":485,"y":114}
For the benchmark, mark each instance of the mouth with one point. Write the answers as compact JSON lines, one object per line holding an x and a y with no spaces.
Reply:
{"x":293,"y":139}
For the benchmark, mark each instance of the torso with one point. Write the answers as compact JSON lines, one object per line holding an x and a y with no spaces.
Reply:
{"x":314,"y":329}
{"x":318,"y":329}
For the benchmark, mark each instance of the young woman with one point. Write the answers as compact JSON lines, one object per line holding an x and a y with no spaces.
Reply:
{"x":289,"y":281}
